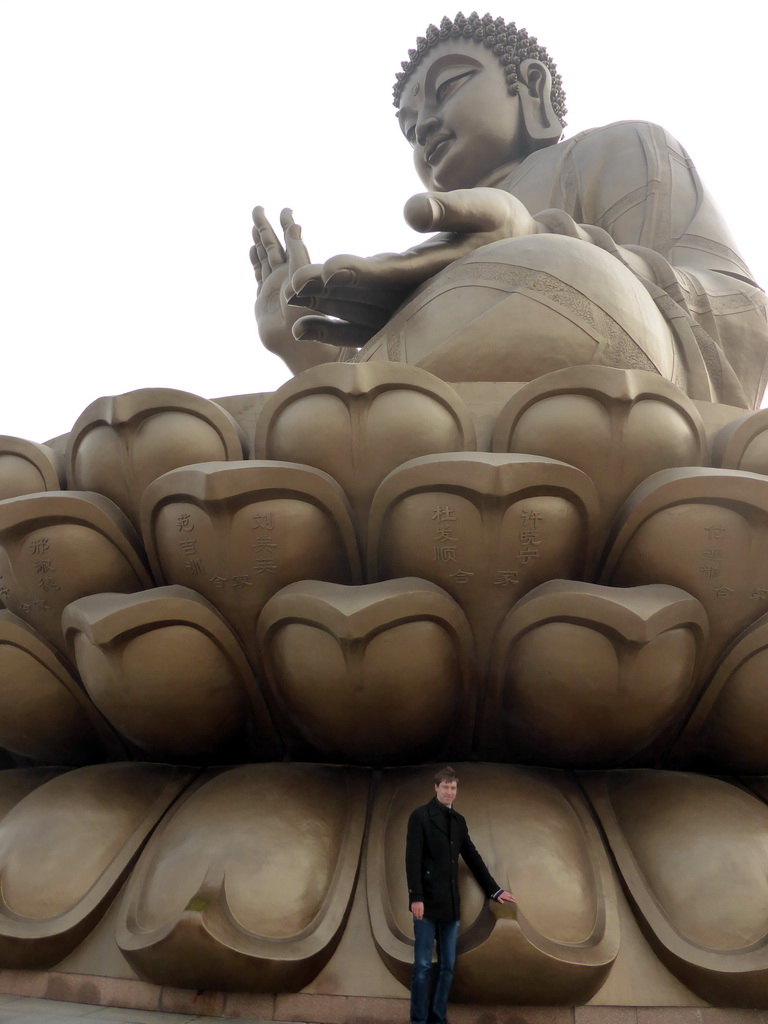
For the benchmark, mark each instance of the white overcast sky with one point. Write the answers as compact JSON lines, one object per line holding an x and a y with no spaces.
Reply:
{"x":138,"y":134}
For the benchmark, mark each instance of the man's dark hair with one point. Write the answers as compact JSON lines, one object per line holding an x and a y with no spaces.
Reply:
{"x":446,"y":774}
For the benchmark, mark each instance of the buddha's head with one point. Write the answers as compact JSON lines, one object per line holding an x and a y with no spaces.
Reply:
{"x":474,"y":99}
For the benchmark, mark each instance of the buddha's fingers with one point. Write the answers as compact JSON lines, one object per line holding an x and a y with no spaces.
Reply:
{"x":307,"y":280}
{"x":256,"y":263}
{"x":391,"y":273}
{"x":260,"y":263}
{"x":388,"y":274}
{"x":470,"y":211}
{"x":296,"y":250}
{"x":331,"y":332}
{"x":264,"y":235}
{"x":366,"y":315}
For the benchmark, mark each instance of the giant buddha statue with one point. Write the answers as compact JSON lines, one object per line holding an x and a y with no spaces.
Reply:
{"x":606,"y":248}
{"x":511,"y":512}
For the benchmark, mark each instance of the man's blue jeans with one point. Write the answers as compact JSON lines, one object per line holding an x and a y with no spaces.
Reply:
{"x":426,"y":1010}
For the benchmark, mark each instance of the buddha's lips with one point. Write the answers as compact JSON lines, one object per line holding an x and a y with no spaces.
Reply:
{"x":436,"y":148}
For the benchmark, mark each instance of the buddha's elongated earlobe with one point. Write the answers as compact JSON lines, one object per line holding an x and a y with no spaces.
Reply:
{"x":535,"y":91}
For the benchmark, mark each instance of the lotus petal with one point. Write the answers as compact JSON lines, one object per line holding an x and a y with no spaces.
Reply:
{"x":693,"y":853}
{"x":27,"y":467}
{"x":486,"y":528}
{"x":62,"y":545}
{"x":246,"y":885}
{"x":121,"y":443}
{"x":727,"y":730}
{"x":238,"y":532}
{"x":618,"y":426}
{"x":359,"y":421}
{"x":44,"y":713}
{"x":65,"y":849}
{"x":378,"y":674}
{"x":705,"y":531}
{"x":743,"y":444}
{"x":16,"y":783}
{"x":538,"y":839}
{"x":586,"y":676}
{"x":167,"y":671}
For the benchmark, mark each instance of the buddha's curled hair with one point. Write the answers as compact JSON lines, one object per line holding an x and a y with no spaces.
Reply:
{"x":509,"y":43}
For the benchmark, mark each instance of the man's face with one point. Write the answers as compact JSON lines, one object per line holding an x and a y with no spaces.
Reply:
{"x":446,"y":792}
{"x":458,"y":116}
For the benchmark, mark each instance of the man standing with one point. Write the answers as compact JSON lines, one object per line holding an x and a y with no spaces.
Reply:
{"x":437,"y":835}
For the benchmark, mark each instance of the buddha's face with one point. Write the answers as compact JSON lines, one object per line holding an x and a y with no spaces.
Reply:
{"x":459,"y":118}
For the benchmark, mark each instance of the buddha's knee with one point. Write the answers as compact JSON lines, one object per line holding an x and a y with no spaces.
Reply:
{"x":521,"y":307}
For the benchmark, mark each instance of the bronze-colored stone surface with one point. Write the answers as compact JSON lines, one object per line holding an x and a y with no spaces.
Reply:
{"x":357,"y":423}
{"x":705,"y":531}
{"x":692,"y":852}
{"x":27,"y":467}
{"x":727,"y":730}
{"x":16,"y":783}
{"x":596,"y":278}
{"x":743,"y":444}
{"x":122,"y":443}
{"x":487,"y":528}
{"x":558,"y":944}
{"x":238,"y":532}
{"x":62,"y":545}
{"x":571,"y":657}
{"x":630,"y":424}
{"x":247,"y":884}
{"x":523,"y":307}
{"x":166,"y":670}
{"x":339,"y":659}
{"x":44,"y":714}
{"x":79,"y":832}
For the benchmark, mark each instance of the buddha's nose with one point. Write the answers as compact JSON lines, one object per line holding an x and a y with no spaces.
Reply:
{"x":426,"y":128}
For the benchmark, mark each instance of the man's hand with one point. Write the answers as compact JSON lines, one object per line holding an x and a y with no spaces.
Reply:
{"x":505,"y":897}
{"x":364,"y":292}
{"x":417,"y":909}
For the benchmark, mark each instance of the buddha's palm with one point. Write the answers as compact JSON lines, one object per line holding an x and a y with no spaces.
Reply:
{"x":273,"y":265}
{"x":363,"y":292}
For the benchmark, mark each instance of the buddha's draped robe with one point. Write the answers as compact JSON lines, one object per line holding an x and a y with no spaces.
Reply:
{"x":631,"y":187}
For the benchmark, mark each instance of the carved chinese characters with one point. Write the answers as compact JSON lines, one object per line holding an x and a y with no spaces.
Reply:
{"x":62,"y":545}
{"x":486,"y":528}
{"x":121,"y":444}
{"x":618,"y":426}
{"x":705,"y":531}
{"x":359,"y":422}
{"x":239,"y":532}
{"x":478,"y":634}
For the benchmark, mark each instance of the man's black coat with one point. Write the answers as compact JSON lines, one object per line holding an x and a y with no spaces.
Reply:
{"x":436,"y":838}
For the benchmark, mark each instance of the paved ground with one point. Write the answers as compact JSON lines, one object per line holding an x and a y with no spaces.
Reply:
{"x":22,"y":1010}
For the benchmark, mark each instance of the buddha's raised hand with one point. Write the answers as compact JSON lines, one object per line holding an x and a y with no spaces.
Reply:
{"x":274,"y":263}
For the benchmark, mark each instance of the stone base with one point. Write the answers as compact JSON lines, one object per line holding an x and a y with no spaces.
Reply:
{"x":327,"y":1009}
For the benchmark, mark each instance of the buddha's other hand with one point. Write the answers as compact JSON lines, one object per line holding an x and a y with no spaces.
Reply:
{"x":363,"y":292}
{"x":274,"y":263}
